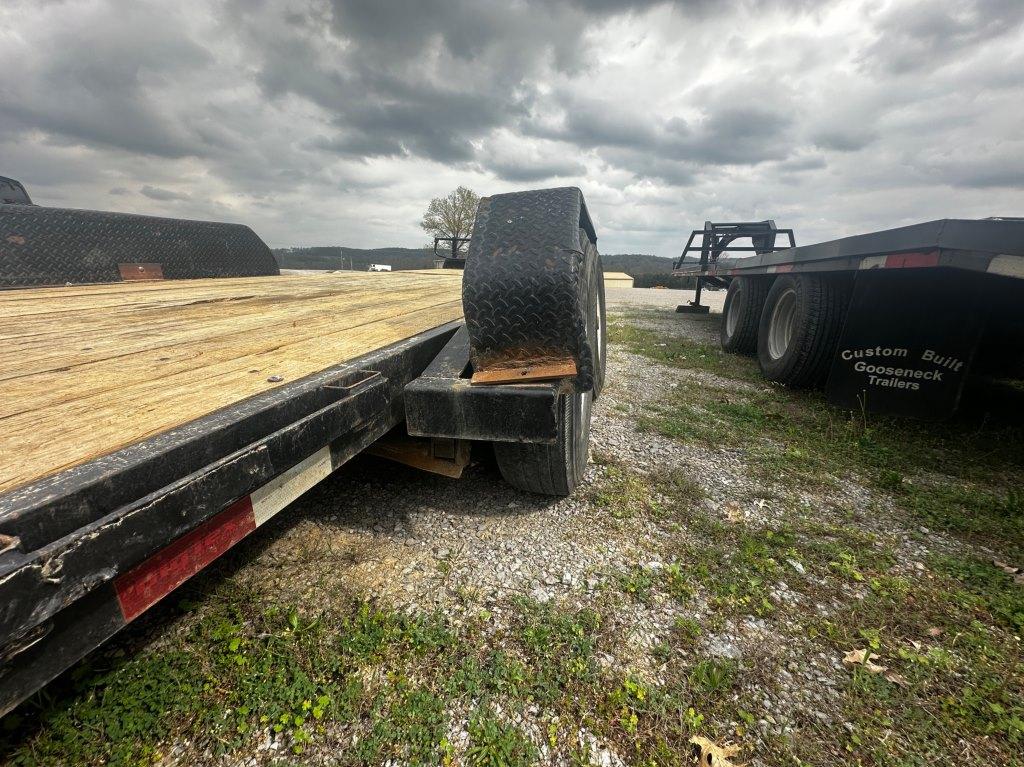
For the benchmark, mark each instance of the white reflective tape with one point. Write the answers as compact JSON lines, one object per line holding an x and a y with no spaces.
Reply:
{"x":281,"y":491}
{"x":873,"y":262}
{"x":1008,"y":266}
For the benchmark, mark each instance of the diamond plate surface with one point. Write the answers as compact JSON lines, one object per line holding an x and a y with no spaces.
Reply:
{"x":524,"y":289}
{"x":56,"y":246}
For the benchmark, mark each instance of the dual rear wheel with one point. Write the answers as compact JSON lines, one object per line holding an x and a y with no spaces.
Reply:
{"x":792,"y":323}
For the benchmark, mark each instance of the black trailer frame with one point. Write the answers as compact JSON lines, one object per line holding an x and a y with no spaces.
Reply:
{"x":69,"y":537}
{"x":87,"y":550}
{"x":894,"y":320}
{"x":718,"y":238}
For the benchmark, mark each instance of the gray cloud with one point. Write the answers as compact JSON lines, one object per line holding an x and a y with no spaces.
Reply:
{"x":334,"y":121}
{"x":923,"y":35}
{"x":163,"y":195}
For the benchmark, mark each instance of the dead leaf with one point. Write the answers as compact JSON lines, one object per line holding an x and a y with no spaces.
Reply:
{"x":892,"y":676}
{"x":864,"y":658}
{"x":857,"y":656}
{"x":713,"y":755}
{"x":733,"y":511}
{"x":915,"y":644}
{"x":934,"y":631}
{"x":1008,"y":569}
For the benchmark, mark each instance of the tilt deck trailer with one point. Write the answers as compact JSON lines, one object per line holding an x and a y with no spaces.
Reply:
{"x":888,"y":322}
{"x":167,"y":391}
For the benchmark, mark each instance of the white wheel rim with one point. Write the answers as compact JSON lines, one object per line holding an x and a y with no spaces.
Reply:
{"x":583,"y":405}
{"x":732,"y":319}
{"x":783,"y":323}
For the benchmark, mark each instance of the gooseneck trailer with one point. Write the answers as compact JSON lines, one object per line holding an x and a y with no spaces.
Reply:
{"x":167,"y":391}
{"x":889,"y":322}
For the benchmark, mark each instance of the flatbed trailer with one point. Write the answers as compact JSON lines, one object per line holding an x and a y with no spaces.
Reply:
{"x":890,"y":321}
{"x":150,"y":424}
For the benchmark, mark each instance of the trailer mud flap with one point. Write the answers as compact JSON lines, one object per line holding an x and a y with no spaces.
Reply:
{"x":908,"y":343}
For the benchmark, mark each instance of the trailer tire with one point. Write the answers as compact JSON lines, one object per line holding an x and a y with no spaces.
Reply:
{"x":596,"y":315}
{"x":551,"y":469}
{"x":799,"y":328}
{"x":556,"y":469}
{"x":741,"y":314}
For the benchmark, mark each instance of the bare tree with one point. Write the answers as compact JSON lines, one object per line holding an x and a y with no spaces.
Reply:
{"x":451,"y":216}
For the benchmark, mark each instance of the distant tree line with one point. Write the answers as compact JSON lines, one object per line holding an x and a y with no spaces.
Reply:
{"x":664,"y":281}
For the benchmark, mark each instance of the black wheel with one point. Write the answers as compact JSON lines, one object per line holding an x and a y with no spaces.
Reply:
{"x":742,"y":313}
{"x":551,"y":469}
{"x":799,"y":328}
{"x":596,"y":316}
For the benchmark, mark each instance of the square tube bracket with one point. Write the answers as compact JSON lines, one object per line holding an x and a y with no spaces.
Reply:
{"x":443,"y":402}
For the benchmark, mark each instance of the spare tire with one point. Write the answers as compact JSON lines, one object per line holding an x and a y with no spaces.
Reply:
{"x":525,"y":285}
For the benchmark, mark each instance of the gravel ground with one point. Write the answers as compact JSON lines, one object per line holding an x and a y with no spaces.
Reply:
{"x":421,"y":543}
{"x":656,"y":297}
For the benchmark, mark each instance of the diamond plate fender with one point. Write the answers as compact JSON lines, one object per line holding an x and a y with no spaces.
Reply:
{"x":524,"y":291}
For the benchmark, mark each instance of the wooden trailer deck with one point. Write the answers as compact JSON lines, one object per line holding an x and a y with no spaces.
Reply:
{"x":86,"y":370}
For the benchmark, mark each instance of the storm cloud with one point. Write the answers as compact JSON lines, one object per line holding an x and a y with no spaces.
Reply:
{"x":320,"y":122}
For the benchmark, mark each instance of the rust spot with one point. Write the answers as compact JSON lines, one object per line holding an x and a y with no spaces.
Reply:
{"x":141,"y":271}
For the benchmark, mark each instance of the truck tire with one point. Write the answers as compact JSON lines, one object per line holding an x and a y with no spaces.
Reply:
{"x":741,"y":314}
{"x":799,"y":328}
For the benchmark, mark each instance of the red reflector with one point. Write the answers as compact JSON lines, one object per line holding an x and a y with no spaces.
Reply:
{"x":911,"y":260}
{"x":148,"y":582}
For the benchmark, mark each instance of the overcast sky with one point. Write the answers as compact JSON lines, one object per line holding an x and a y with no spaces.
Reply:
{"x":321,"y":123}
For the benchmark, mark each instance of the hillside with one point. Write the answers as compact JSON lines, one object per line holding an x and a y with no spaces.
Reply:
{"x":337,"y":257}
{"x":636,"y":264}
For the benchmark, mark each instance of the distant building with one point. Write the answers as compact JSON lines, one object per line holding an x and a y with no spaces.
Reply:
{"x":617,"y":280}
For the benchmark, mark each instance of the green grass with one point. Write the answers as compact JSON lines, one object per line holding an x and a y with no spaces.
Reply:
{"x":963,"y":475}
{"x":950,"y":633}
{"x":673,"y":351}
{"x":949,"y":637}
{"x":370,"y":686}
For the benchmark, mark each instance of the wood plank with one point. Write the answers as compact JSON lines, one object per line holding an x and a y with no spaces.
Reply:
{"x":87,"y":370}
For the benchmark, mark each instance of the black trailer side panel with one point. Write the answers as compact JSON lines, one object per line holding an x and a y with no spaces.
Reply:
{"x":908,"y":342}
{"x":57,"y":246}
